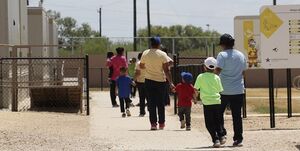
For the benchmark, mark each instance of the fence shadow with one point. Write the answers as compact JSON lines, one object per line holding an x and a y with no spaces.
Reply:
{"x":297,"y":146}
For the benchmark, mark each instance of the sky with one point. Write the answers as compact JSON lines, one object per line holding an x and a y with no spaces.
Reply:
{"x":117,"y":15}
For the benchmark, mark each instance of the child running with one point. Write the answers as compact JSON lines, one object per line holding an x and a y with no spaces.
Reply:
{"x":209,"y":85}
{"x":124,"y":83}
{"x":186,"y":94}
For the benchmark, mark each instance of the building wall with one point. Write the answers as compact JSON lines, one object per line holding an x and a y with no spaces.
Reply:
{"x":53,"y":38}
{"x":38,"y":31}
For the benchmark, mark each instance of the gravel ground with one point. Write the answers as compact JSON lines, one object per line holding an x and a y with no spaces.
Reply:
{"x":106,"y":130}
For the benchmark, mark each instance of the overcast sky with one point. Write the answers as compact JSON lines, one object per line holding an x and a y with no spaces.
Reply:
{"x":117,"y":15}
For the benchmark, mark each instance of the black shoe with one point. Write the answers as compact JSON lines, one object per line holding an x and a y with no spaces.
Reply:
{"x":141,"y":115}
{"x":237,"y":143}
{"x":116,"y":105}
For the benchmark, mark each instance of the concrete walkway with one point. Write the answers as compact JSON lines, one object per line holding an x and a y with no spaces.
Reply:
{"x":133,"y":133}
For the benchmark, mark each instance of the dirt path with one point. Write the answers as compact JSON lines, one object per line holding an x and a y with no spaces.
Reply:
{"x":106,"y":130}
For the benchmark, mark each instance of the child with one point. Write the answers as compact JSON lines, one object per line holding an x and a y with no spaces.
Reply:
{"x":109,"y":55}
{"x":186,"y":93}
{"x":124,"y":83}
{"x":210,"y":87}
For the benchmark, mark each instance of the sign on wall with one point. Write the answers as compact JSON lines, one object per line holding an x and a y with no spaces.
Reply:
{"x":247,"y":36}
{"x":280,"y":36}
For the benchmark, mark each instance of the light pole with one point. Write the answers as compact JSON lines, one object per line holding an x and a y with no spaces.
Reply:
{"x":100,"y":21}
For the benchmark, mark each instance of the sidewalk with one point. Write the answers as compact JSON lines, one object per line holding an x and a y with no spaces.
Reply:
{"x":133,"y":133}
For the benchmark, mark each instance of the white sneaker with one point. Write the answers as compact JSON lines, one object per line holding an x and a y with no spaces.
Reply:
{"x":223,"y":140}
{"x":128,"y":112}
{"x":217,"y":144}
{"x":182,"y":126}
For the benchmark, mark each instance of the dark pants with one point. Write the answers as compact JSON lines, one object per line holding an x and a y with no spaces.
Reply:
{"x":167,"y":97}
{"x":133,"y":91}
{"x":113,"y":92}
{"x":235,"y":102}
{"x":184,"y":113}
{"x":213,"y":121}
{"x":124,"y":102}
{"x":142,"y":96}
{"x":156,"y":100}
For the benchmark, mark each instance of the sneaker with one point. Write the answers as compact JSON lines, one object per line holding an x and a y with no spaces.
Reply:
{"x":123,"y":115}
{"x":128,"y":112}
{"x":223,"y":140}
{"x":161,"y":126}
{"x":115,"y":106}
{"x":131,"y":105}
{"x":141,"y":115}
{"x":217,"y":144}
{"x":182,"y":126}
{"x":153,"y":127}
{"x":188,"y":128}
{"x":237,"y":143}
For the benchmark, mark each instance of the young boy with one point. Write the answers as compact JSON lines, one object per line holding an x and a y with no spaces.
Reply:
{"x":124,"y":89}
{"x":186,"y":94}
{"x":209,"y":85}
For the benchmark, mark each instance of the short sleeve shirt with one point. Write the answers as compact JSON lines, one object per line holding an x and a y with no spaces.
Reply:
{"x":233,"y":63}
{"x":210,"y":86}
{"x":154,"y":60}
{"x":124,"y":86}
{"x":185,"y":94}
{"x":141,"y":77}
{"x":117,"y":62}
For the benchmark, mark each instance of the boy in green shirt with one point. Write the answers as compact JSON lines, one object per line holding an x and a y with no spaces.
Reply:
{"x":209,"y":85}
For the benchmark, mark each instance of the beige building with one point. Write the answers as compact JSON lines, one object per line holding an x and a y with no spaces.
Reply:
{"x":38,"y":31}
{"x":53,"y":38}
{"x":13,"y":25}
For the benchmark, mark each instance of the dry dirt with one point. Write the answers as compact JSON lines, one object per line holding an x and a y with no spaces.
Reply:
{"x":106,"y":130}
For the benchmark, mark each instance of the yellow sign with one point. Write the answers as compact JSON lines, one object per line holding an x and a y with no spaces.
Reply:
{"x":269,"y":22}
{"x":248,"y":33}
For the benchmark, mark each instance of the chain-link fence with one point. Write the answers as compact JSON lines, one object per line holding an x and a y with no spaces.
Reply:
{"x":193,"y":65}
{"x":185,"y":46}
{"x":52,"y":84}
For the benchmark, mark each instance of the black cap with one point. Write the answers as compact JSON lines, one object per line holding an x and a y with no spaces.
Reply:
{"x":227,"y":40}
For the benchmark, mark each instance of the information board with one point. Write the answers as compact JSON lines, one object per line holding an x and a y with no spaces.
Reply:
{"x":280,"y":36}
{"x":247,"y":39}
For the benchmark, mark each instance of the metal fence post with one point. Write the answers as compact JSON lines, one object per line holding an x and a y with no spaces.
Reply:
{"x":175,"y":80}
{"x":87,"y":85}
{"x":289,"y":91}
{"x":14,"y":94}
{"x":245,"y":100}
{"x":271,"y":98}
{"x":101,"y":79}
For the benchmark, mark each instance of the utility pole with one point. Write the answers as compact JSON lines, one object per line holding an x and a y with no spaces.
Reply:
{"x":100,"y":21}
{"x":134,"y":26}
{"x":208,"y":25}
{"x":148,"y":19}
{"x":274,"y":2}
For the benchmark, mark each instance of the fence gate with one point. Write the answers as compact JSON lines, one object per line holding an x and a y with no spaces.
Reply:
{"x":193,"y":65}
{"x":47,"y":84}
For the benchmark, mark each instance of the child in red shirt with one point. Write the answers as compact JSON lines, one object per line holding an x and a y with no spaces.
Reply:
{"x":186,"y":94}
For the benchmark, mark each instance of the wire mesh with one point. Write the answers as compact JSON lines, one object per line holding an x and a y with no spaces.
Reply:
{"x":52,"y":84}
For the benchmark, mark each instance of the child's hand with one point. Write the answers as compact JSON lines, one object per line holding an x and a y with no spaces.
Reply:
{"x":173,"y":90}
{"x":195,"y":101}
{"x":133,"y":83}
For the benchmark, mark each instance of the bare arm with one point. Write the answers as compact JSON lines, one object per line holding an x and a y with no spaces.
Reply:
{"x":168,"y":74}
{"x":218,"y":71}
{"x":137,"y":73}
{"x":142,"y":66}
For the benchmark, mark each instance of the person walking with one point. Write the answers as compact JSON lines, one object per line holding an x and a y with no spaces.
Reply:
{"x":231,"y":68}
{"x":155,"y":62}
{"x":140,"y":83}
{"x":117,"y":62}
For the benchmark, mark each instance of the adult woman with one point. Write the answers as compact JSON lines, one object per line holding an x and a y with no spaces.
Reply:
{"x":231,"y":67}
{"x":156,"y":64}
